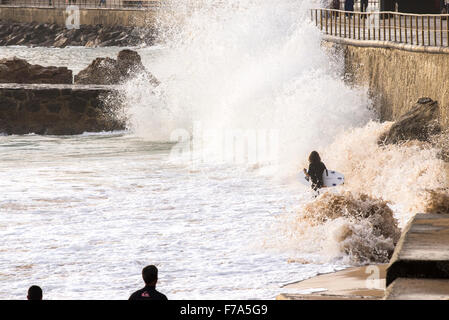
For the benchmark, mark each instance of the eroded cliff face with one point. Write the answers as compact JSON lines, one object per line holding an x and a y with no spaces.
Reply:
{"x":398,"y":78}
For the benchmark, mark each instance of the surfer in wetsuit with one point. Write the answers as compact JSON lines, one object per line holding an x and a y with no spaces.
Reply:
{"x":316,"y":170}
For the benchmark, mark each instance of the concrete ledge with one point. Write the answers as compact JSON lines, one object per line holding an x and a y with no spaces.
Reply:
{"x":350,"y":284}
{"x":386,"y":44}
{"x":418,"y":289}
{"x":58,"y":109}
{"x":423,"y":250}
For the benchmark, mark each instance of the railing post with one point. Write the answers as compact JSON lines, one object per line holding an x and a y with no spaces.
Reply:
{"x":358,"y":19}
{"x":422,"y":31}
{"x":383,"y":22}
{"x":389,"y":28}
{"x":435,"y":30}
{"x":417,"y":30}
{"x":339,"y":23}
{"x":441,"y":31}
{"x":353,"y":26}
{"x":344,"y":18}
{"x":364,"y":24}
{"x":428,"y":31}
{"x":379,"y":26}
{"x":447,"y":30}
{"x":321,"y":19}
{"x":332,"y":25}
{"x":411,"y":30}
{"x":326,"y":13}
{"x":336,"y":21}
{"x":394,"y":23}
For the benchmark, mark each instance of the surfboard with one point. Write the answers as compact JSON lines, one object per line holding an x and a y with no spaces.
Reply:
{"x":331,"y":178}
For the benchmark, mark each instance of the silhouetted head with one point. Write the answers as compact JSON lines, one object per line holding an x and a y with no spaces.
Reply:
{"x":314,"y":157}
{"x":149,"y":275}
{"x":34,"y":293}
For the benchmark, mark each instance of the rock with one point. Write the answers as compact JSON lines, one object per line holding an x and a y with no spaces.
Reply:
{"x":100,"y":71}
{"x":420,"y":123}
{"x":20,"y":71}
{"x":12,"y":33}
{"x":61,"y":42}
{"x":110,"y":71}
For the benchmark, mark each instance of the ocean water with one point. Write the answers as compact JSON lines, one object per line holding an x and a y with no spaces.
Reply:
{"x":82,"y":215}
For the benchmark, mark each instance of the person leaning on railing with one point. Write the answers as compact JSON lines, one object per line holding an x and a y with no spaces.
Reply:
{"x":363,"y":5}
{"x":349,"y":6}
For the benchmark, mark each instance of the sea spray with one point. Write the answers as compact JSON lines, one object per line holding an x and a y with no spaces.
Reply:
{"x":401,"y":174}
{"x":246,"y":65}
{"x":249,"y":65}
{"x":339,"y":227}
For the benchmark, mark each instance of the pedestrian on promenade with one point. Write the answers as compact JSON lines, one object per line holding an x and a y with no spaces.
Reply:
{"x":102,"y":2}
{"x":349,"y":6}
{"x":34,"y":293}
{"x":335,"y":5}
{"x":149,"y":275}
{"x":363,"y":7}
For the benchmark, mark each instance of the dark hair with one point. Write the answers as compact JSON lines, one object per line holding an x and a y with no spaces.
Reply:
{"x":34,"y":293}
{"x":314,"y":157}
{"x":149,"y":274}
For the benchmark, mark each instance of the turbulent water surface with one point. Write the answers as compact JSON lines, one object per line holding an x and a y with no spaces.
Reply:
{"x":81,"y":215}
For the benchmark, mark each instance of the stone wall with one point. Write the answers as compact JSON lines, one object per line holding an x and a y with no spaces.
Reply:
{"x":57,"y":109}
{"x":397,"y":78}
{"x":93,"y":16}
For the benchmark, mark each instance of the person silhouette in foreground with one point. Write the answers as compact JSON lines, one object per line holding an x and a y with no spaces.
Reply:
{"x":316,"y":170}
{"x":149,"y":275}
{"x":34,"y":293}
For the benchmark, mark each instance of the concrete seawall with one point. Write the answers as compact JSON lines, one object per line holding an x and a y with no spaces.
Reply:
{"x":397,"y":76}
{"x":88,"y":16}
{"x":56,"y":109}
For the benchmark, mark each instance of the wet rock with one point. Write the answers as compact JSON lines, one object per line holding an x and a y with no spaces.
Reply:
{"x":110,"y":71}
{"x":420,"y":123}
{"x":100,"y":71}
{"x":20,"y":71}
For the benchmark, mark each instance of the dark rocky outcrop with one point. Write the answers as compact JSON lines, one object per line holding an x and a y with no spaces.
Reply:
{"x":420,"y":123}
{"x":53,"y":35}
{"x":20,"y":71}
{"x":109,"y":71}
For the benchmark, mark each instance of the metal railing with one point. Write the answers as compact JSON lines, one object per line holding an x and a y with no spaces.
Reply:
{"x":414,"y":29}
{"x":111,"y":4}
